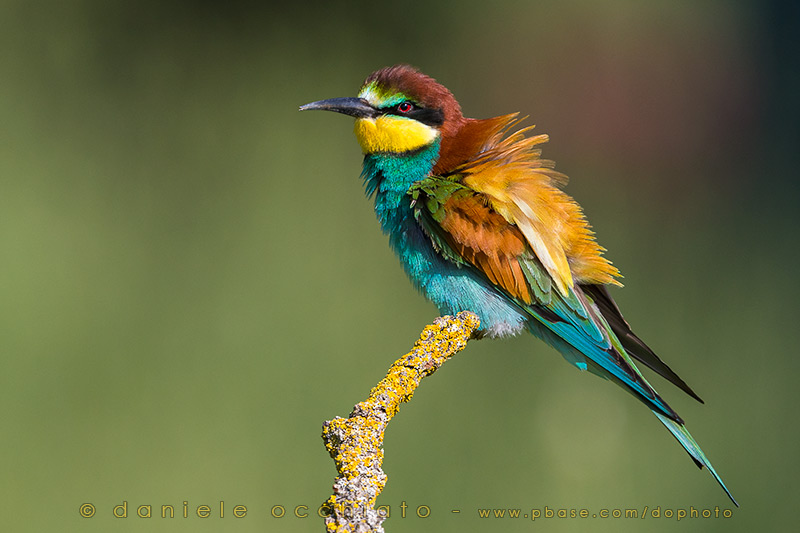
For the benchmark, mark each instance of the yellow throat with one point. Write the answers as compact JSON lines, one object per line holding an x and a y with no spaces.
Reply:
{"x":393,"y":134}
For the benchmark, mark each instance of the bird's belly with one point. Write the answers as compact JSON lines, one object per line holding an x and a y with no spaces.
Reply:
{"x":452,"y":288}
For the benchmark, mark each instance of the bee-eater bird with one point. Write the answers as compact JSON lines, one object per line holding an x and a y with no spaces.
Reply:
{"x":480,"y":223}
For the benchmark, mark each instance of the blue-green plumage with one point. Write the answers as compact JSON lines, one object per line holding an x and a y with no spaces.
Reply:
{"x":451,"y":286}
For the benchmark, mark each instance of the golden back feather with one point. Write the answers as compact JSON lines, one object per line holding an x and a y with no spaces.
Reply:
{"x":524,"y":188}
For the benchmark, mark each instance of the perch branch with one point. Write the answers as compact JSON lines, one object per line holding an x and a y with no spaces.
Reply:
{"x":355,"y":442}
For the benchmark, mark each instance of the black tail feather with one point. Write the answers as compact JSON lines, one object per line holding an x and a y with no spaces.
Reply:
{"x":635,"y":347}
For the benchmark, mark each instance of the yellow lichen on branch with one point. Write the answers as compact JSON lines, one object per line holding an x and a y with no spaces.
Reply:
{"x":355,"y":442}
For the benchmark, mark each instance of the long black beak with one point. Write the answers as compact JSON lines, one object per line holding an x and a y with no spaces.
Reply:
{"x":355,"y":107}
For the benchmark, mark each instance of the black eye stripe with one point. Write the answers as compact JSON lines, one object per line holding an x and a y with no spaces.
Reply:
{"x":431,"y":117}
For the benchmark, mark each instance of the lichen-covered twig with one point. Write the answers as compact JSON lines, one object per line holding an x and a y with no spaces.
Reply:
{"x":355,"y":442}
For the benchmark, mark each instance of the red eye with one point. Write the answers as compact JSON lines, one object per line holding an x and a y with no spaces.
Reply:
{"x":405,"y":107}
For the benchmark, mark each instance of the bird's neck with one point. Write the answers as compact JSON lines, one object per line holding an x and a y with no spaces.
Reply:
{"x":389,"y":176}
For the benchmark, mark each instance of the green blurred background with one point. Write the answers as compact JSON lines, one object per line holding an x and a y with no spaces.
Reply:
{"x":192,"y":280}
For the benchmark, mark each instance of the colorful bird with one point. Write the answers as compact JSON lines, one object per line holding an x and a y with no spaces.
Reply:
{"x":480,"y":223}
